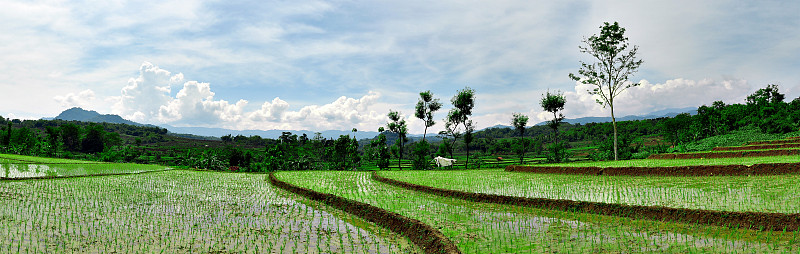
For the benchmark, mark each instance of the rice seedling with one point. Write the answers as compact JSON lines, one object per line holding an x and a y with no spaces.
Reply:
{"x":493,"y":228}
{"x":177,"y":211}
{"x":773,"y":194}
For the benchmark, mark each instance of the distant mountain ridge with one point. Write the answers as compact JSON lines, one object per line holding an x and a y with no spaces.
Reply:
{"x":79,"y":114}
{"x":670,"y":112}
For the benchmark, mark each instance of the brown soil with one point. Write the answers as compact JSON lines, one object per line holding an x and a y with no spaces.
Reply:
{"x":750,"y":220}
{"x":698,"y":170}
{"x":728,"y":154}
{"x":423,"y":235}
{"x":756,"y":147}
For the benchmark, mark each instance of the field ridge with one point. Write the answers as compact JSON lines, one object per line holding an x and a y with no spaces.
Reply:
{"x":691,"y":170}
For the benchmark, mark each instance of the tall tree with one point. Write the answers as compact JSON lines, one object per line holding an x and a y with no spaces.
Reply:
{"x":381,"y":152}
{"x":53,"y":137}
{"x":615,"y":62}
{"x":7,"y":136}
{"x":519,"y":121}
{"x":451,"y":132}
{"x":71,"y":136}
{"x":93,"y":143}
{"x":426,"y":106}
{"x":463,"y":102}
{"x":554,"y":103}
{"x":398,"y":126}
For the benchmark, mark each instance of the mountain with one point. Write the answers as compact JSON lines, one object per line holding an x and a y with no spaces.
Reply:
{"x":498,"y":126}
{"x":670,"y":112}
{"x":79,"y":114}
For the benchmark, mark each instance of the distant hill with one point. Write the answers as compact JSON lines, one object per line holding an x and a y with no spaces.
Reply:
{"x":79,"y":114}
{"x":670,"y":112}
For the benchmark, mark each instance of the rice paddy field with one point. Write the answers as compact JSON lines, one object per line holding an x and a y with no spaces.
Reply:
{"x":773,"y":194}
{"x":20,"y":167}
{"x":14,"y":158}
{"x":493,"y":228}
{"x":132,"y":208}
{"x":178,"y":211}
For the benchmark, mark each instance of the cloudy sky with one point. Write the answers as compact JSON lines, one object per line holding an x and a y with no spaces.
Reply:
{"x":336,"y":65}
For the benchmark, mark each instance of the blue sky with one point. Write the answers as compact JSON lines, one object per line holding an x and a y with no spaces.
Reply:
{"x":321,"y":65}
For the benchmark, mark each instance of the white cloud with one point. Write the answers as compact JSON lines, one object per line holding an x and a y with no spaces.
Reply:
{"x":341,"y":114}
{"x":144,"y":96}
{"x":82,"y":99}
{"x":195,"y":105}
{"x":270,"y":111}
{"x":147,"y":98}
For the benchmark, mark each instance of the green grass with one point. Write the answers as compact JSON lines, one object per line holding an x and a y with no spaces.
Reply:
{"x":777,"y":194}
{"x":678,"y":162}
{"x":42,"y":160}
{"x":178,"y":212}
{"x":736,"y":138}
{"x":492,"y":228}
{"x":737,"y":151}
{"x":22,"y":170}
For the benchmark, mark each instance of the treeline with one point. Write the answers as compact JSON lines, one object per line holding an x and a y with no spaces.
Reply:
{"x":57,"y":138}
{"x":765,"y":109}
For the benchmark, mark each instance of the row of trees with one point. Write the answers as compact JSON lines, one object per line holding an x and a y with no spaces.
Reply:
{"x":68,"y":137}
{"x":457,"y":125}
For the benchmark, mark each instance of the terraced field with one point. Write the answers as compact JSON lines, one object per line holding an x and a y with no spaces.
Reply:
{"x":775,"y":194}
{"x":178,"y":212}
{"x":494,"y":228}
{"x":47,"y":206}
{"x":784,"y":147}
{"x":20,"y":167}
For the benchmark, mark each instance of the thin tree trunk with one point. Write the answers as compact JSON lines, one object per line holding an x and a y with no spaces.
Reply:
{"x":522,"y":134}
{"x":452,"y":147}
{"x":614,"y":122}
{"x":399,"y":158}
{"x":467,"y":165}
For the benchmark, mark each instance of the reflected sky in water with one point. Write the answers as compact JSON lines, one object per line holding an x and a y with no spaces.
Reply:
{"x":8,"y":170}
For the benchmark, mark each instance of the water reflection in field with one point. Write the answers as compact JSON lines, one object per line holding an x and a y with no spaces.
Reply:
{"x":19,"y":170}
{"x":8,"y":170}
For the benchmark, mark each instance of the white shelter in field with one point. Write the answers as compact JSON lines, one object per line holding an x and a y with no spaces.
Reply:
{"x":443,"y":162}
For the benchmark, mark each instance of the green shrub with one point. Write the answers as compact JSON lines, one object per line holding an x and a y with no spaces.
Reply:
{"x":420,"y":157}
{"x":557,"y":152}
